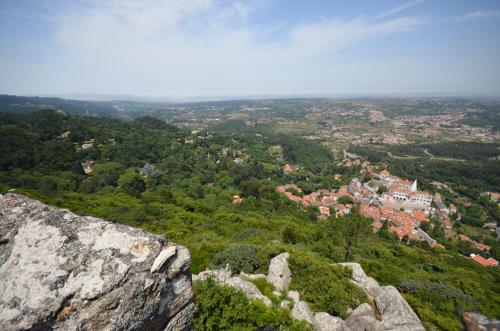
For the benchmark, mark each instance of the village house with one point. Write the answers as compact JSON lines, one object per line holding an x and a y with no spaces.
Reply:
{"x":287,"y":169}
{"x":406,"y":191}
{"x":322,"y":198}
{"x":324,"y":212}
{"x":420,"y":217}
{"x":489,"y":262}
{"x":87,"y":144}
{"x":474,"y":243}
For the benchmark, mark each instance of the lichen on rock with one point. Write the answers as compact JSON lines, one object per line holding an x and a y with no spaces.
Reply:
{"x":64,"y":271}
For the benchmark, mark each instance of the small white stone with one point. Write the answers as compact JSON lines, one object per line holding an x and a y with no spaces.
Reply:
{"x":164,"y":255}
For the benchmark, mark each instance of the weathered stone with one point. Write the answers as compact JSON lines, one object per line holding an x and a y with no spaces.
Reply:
{"x":359,"y":277}
{"x":363,"y":309}
{"x":327,"y":322}
{"x":284,"y":304}
{"x":366,"y":323}
{"x":63,"y":271}
{"x":223,"y":277}
{"x":249,"y":289}
{"x":183,"y":320}
{"x":395,"y":311}
{"x":252,"y":276}
{"x":479,"y":322}
{"x":363,"y":318}
{"x":279,"y":274}
{"x":219,"y":276}
{"x":294,"y":295}
{"x":165,"y":254}
{"x":302,"y":312}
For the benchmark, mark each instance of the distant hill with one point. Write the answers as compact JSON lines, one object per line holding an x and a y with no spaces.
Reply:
{"x":20,"y":105}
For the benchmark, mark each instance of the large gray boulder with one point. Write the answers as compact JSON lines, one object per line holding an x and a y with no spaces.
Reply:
{"x":250,"y":290}
{"x":395,"y":311}
{"x":327,"y":322}
{"x":363,"y":319}
{"x":62,"y":271}
{"x":279,"y":274}
{"x":302,"y":312}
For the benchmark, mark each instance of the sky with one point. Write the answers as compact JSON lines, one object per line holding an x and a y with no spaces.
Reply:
{"x":182,"y":48}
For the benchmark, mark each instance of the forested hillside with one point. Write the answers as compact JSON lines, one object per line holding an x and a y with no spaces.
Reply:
{"x":182,"y":184}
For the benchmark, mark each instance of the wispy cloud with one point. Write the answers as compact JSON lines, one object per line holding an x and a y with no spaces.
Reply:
{"x":212,"y":47}
{"x":202,"y":45}
{"x":398,"y":9}
{"x":477,"y":15}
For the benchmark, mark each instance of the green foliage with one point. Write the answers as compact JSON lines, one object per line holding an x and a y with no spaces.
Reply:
{"x":268,"y":290}
{"x":239,"y":258}
{"x":293,"y":235}
{"x":350,"y":232}
{"x":223,"y":308}
{"x":189,"y":201}
{"x":345,"y":200}
{"x":325,"y":286}
{"x":445,"y":298}
{"x":132,"y":182}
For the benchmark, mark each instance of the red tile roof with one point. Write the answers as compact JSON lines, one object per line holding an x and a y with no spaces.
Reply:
{"x":419,"y":216}
{"x":482,"y":246}
{"x":489,"y":262}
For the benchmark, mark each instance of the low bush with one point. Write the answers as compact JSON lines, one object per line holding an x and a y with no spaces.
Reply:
{"x":326,"y":287}
{"x":223,"y":308}
{"x":239,"y":258}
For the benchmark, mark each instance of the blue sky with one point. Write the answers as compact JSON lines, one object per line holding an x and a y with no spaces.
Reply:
{"x":257,"y":47}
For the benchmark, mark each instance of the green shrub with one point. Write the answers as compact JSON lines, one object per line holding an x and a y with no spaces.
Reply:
{"x":223,"y":308}
{"x":239,"y":257}
{"x":326,"y":287}
{"x":268,"y":290}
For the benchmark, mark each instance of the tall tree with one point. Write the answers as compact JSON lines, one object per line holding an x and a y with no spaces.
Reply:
{"x":350,"y":232}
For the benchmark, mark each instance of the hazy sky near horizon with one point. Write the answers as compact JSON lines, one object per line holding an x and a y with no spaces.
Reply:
{"x":254,"y":47}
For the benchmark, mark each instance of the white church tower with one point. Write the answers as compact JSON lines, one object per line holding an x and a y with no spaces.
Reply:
{"x":413,"y":187}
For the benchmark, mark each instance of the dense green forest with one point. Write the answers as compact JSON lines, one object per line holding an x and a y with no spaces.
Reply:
{"x":188,"y":196}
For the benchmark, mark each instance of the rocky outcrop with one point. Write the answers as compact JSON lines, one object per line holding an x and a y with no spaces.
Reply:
{"x":395,"y":313}
{"x":252,"y":276}
{"x":302,"y":312}
{"x":363,"y":318}
{"x":279,"y":274}
{"x":62,"y":271}
{"x":359,"y":277}
{"x":479,"y":322}
{"x":327,"y":322}
{"x":390,"y":310}
{"x":219,"y":276}
{"x":249,"y":289}
{"x":223,"y":277}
